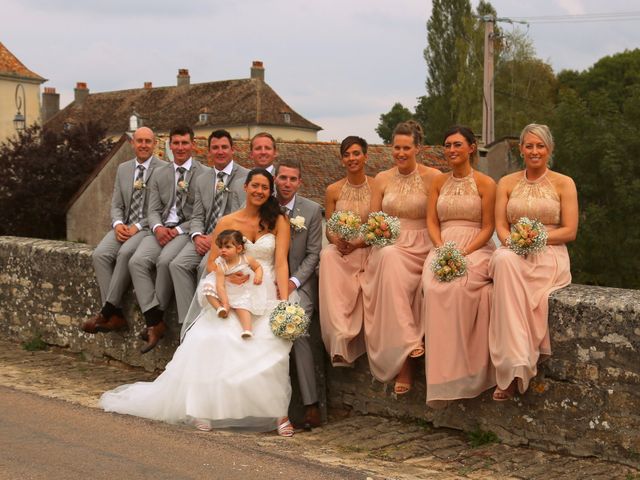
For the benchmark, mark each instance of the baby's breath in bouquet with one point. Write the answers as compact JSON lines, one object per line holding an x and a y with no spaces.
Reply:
{"x":289,"y":321}
{"x":449,"y":263}
{"x":381,"y":229}
{"x":527,"y":237}
{"x":345,"y":224}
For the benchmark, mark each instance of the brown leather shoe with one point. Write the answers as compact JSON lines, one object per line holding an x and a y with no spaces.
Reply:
{"x":115,"y":323}
{"x":144,"y":334}
{"x":311,"y":417}
{"x":155,"y":334}
{"x":91,"y":325}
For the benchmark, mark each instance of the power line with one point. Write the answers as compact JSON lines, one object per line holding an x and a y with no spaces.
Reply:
{"x":583,"y":18}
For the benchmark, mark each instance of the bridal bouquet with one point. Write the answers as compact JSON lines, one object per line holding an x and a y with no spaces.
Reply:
{"x":289,"y":321}
{"x":381,"y":229}
{"x":449,"y":263}
{"x":527,"y":237}
{"x":345,"y":224}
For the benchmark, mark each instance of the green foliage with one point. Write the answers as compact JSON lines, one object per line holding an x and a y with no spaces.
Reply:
{"x":389,"y":120}
{"x":42,"y":170}
{"x":35,"y":344}
{"x":479,"y":437}
{"x":596,"y":131}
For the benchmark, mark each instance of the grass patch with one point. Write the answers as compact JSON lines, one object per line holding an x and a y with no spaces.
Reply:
{"x":36,"y":343}
{"x":479,"y":437}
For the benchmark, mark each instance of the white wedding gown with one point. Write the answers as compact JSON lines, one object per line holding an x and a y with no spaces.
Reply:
{"x":217,"y":376}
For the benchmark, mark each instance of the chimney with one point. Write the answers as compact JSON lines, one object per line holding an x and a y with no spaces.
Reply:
{"x":50,"y":103}
{"x":148,"y":85}
{"x":257,"y":70}
{"x":183,"y":77}
{"x":81,"y":92}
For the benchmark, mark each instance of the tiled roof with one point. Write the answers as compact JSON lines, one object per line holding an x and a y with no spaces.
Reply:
{"x":227,"y":103}
{"x":321,"y":164}
{"x":11,"y":66}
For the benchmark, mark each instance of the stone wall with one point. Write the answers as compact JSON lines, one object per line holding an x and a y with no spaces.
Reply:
{"x":585,"y":401}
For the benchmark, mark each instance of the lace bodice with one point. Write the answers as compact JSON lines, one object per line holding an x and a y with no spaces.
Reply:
{"x":459,"y":200}
{"x":536,"y":199}
{"x":263,"y":250}
{"x":405,"y":196}
{"x":355,"y":198}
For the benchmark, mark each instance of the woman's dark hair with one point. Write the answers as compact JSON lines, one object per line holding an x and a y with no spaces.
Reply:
{"x":350,"y":141}
{"x":270,"y":210}
{"x":411,"y":128}
{"x":230,"y":236}
{"x":468,"y":135}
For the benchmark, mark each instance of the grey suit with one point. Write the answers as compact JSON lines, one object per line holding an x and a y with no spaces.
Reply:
{"x":304,"y":255}
{"x":110,"y":257}
{"x":150,"y":256}
{"x":184,"y":265}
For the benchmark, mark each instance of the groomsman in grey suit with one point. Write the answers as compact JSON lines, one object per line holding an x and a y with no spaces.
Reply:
{"x":305,"y":217}
{"x":218,"y":192}
{"x":129,"y":205}
{"x":171,"y":199}
{"x":263,"y":152}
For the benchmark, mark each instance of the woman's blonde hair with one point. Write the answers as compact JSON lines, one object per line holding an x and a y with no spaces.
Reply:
{"x":540,"y":131}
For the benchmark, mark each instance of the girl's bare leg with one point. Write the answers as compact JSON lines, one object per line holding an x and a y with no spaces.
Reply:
{"x":244,"y":316}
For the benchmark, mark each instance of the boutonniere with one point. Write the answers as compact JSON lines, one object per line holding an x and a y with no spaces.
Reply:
{"x":183,"y":185}
{"x":297,"y":223}
{"x":139,"y":185}
{"x":221,"y":187}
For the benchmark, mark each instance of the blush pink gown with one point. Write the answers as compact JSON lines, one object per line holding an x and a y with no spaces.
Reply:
{"x":456,"y":313}
{"x":341,"y":314}
{"x":391,"y":283}
{"x":519,"y":330}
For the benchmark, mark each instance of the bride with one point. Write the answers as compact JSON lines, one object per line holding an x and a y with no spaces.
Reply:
{"x":216,"y":379}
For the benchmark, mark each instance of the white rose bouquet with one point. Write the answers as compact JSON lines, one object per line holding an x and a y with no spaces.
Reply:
{"x":289,"y":321}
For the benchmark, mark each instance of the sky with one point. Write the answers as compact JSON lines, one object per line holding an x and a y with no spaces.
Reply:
{"x":339,"y":63}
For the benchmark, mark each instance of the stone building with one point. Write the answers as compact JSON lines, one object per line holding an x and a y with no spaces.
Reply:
{"x":88,"y":211}
{"x":19,"y":94}
{"x":244,"y":107}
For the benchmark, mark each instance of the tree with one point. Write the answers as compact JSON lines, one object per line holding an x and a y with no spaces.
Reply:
{"x":43,"y":170}
{"x":389,"y":120}
{"x":595,"y":126}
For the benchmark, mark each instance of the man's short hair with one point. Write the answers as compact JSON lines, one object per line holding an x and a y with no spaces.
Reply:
{"x":221,"y":133}
{"x":263,"y":135}
{"x":290,"y":163}
{"x":181,"y":130}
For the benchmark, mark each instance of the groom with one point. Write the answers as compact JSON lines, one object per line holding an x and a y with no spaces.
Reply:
{"x":305,"y":217}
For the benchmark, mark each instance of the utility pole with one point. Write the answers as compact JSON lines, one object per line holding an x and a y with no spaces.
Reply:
{"x":488,"y":107}
{"x":488,"y":133}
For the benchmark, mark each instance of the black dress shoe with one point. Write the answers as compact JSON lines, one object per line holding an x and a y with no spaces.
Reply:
{"x":311,"y":417}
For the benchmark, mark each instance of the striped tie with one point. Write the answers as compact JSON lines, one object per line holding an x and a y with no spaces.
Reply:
{"x":216,"y":209}
{"x":180,"y":193}
{"x":137,"y":197}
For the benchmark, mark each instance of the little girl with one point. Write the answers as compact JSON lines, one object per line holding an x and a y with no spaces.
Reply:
{"x":223,"y":295}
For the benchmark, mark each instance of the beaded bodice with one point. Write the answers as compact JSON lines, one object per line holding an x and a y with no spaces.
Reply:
{"x":459,"y":200}
{"x":405,"y":196}
{"x":536,"y":199}
{"x":355,"y":198}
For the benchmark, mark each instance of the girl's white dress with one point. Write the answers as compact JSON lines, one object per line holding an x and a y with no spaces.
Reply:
{"x":216,"y":375}
{"x":247,"y":296}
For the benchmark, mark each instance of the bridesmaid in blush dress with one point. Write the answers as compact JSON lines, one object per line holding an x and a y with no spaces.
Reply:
{"x":461,"y":210}
{"x":342,"y":261}
{"x":519,"y":330}
{"x":391,"y":283}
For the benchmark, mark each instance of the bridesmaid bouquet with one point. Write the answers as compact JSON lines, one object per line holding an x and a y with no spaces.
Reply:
{"x":449,"y":263}
{"x":289,"y":321}
{"x":345,"y":224}
{"x":527,"y":237}
{"x":381,"y":229}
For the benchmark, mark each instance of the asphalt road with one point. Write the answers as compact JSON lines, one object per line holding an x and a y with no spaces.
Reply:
{"x":43,"y":438}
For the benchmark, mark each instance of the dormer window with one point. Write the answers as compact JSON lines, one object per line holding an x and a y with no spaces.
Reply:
{"x":134,"y":122}
{"x":204,"y":117}
{"x":286,"y":116}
